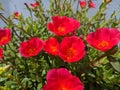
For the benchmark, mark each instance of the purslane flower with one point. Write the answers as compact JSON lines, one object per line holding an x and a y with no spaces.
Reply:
{"x":71,"y":49}
{"x":31,"y":47}
{"x":5,"y":36}
{"x":104,"y":39}
{"x":1,"y":53}
{"x":62,"y":79}
{"x":62,"y":25}
{"x":51,"y":46}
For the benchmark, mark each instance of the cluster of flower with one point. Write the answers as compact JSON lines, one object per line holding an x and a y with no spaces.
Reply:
{"x":66,"y":45}
{"x":69,"y":48}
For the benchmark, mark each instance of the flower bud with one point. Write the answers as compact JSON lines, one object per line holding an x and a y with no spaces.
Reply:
{"x":16,"y":15}
{"x":82,"y":3}
{"x":107,"y":1}
{"x":91,"y":4}
{"x":34,"y":4}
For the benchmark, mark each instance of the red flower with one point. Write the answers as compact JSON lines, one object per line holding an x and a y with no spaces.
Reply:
{"x":31,"y":47}
{"x":91,"y":4}
{"x":71,"y":49}
{"x":35,"y":4}
{"x":5,"y":36}
{"x":1,"y":53}
{"x":16,"y":15}
{"x":51,"y":46}
{"x":62,"y":25}
{"x":62,"y":79}
{"x":82,"y":3}
{"x":104,"y":38}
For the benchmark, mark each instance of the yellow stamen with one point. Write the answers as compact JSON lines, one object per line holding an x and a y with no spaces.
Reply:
{"x":60,"y":29}
{"x":31,"y":50}
{"x":53,"y":48}
{"x":3,"y":39}
{"x":103,"y":44}
{"x":70,"y":52}
{"x":63,"y":88}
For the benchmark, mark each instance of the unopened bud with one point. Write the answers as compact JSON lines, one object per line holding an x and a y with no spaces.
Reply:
{"x":91,"y":4}
{"x":82,"y":3}
{"x":107,"y":1}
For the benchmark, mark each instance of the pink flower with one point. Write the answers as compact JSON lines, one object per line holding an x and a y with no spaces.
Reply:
{"x":31,"y":47}
{"x":62,"y":79}
{"x":62,"y":25}
{"x":5,"y":36}
{"x":71,"y":49}
{"x":51,"y":46}
{"x":91,"y":4}
{"x":104,"y":39}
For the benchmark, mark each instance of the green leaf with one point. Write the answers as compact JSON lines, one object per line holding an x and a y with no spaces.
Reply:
{"x":2,"y":79}
{"x":39,"y":86}
{"x":116,"y":65}
{"x":12,"y":85}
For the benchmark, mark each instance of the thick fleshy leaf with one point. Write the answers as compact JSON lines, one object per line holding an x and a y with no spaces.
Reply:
{"x":116,"y":65}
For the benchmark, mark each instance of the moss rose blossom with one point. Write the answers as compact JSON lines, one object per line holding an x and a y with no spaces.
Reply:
{"x":31,"y":47}
{"x":51,"y":46}
{"x":62,"y":25}
{"x":71,"y":49}
{"x":62,"y":79}
{"x":104,"y":39}
{"x":5,"y":36}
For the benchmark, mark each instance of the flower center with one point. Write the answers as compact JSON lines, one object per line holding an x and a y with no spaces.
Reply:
{"x":63,"y":88}
{"x":60,"y":29}
{"x":103,"y":44}
{"x":31,"y":50}
{"x":53,"y":48}
{"x":70,"y":52}
{"x":3,"y":39}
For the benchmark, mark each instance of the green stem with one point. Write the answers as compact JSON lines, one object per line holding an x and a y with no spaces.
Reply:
{"x":6,"y":21}
{"x":97,"y":59}
{"x":112,"y":16}
{"x":47,"y":59}
{"x":101,"y":9}
{"x":13,"y":52}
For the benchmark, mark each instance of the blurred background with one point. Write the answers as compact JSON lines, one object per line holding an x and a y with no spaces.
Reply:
{"x":11,"y":6}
